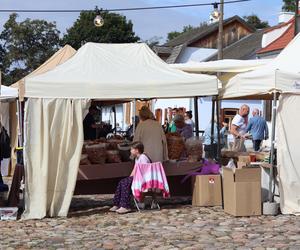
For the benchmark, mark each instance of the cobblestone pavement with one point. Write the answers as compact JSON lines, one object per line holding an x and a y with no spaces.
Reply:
{"x":175,"y":226}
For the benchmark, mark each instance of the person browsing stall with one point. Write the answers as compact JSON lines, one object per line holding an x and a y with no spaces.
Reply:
{"x":89,"y":124}
{"x":239,"y":127}
{"x":151,"y":134}
{"x":123,"y":193}
{"x":258,"y":128}
{"x":185,"y":130}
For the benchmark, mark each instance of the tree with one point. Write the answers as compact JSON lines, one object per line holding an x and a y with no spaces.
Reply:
{"x":116,"y":29}
{"x":25,"y":46}
{"x":173,"y":34}
{"x":153,"y":41}
{"x":289,"y":5}
{"x":256,"y":22}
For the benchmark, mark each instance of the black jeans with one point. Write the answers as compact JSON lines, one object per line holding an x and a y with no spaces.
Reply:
{"x":256,"y":145}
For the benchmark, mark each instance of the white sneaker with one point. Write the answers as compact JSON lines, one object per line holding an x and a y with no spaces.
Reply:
{"x":123,"y":210}
{"x":114,"y":209}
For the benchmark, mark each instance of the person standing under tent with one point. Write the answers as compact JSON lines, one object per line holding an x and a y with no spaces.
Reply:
{"x":185,"y":130}
{"x":172,"y":127}
{"x":238,"y":128}
{"x":188,"y":119}
{"x":89,"y":124}
{"x":211,"y":150}
{"x":258,"y":128}
{"x":151,"y":134}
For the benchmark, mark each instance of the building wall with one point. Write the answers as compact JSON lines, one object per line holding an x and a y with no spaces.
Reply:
{"x":232,"y":33}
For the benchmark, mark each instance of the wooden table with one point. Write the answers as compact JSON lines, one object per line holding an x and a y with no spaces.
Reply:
{"x":103,"y":178}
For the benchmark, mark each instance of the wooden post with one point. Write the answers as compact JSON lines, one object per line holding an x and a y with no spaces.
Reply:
{"x":196,"y":115}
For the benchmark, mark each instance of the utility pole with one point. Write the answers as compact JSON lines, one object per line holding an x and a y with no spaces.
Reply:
{"x":297,"y":18}
{"x":220,"y":57}
{"x":220,"y":34}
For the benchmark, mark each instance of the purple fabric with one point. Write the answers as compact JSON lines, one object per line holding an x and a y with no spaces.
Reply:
{"x":206,"y":169}
{"x":123,"y":193}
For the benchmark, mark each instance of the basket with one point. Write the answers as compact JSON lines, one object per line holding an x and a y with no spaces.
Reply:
{"x":124,"y":150}
{"x":84,"y":160}
{"x":96,"y":153}
{"x":194,"y":149}
{"x":175,"y":146}
{"x":113,"y":156}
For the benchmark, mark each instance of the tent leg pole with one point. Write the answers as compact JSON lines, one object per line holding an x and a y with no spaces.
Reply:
{"x":212,"y":127}
{"x":20,"y":129}
{"x":218,"y":128}
{"x":274,"y":109}
{"x":115,"y":119}
{"x":196,"y":108}
{"x":134,"y":115}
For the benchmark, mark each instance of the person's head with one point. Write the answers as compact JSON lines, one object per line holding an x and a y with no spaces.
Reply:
{"x":137,"y":149}
{"x":255,"y":112}
{"x":93,"y":110}
{"x":188,"y":115}
{"x":179,"y":121}
{"x":145,"y":113}
{"x":175,"y":112}
{"x":244,"y":110}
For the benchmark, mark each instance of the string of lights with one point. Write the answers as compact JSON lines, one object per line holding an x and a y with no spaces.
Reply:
{"x":120,"y":9}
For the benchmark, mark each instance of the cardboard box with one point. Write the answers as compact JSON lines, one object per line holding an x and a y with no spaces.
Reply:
{"x":241,"y":164}
{"x":242,"y":191}
{"x":244,"y":158}
{"x":207,"y":191}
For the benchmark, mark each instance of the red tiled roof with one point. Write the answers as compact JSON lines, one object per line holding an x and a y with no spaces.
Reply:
{"x":282,"y":41}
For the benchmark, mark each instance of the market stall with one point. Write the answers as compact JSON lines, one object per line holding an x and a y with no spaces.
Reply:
{"x":7,"y":96}
{"x":58,"y":99}
{"x":279,"y":76}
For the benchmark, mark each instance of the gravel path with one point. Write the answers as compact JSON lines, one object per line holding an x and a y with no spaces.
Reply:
{"x":176,"y":226}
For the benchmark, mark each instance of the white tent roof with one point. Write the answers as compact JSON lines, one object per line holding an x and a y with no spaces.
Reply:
{"x":280,"y":75}
{"x":118,"y":71}
{"x":226,"y":65}
{"x":8,"y":93}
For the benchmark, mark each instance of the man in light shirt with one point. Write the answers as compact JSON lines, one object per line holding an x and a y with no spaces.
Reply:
{"x":238,"y":128}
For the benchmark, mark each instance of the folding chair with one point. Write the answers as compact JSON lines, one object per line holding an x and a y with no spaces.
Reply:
{"x":148,"y":180}
{"x":154,"y":202}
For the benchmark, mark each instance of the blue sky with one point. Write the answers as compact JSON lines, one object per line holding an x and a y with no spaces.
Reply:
{"x":147,"y":24}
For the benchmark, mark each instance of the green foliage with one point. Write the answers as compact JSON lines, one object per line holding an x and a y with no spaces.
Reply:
{"x":289,"y":5}
{"x":173,"y":34}
{"x":25,"y":46}
{"x":256,"y":22}
{"x":116,"y":29}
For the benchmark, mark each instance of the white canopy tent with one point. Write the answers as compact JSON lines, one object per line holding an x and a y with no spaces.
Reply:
{"x":118,"y":71}
{"x":7,"y":93}
{"x":223,"y":66}
{"x":56,"y":103}
{"x":281,"y":74}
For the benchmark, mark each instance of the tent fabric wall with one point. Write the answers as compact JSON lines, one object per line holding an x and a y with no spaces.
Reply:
{"x":13,"y":135}
{"x":288,"y":138}
{"x":53,"y":144}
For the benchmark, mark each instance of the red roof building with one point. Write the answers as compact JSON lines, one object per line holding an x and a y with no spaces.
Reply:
{"x":280,"y":37}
